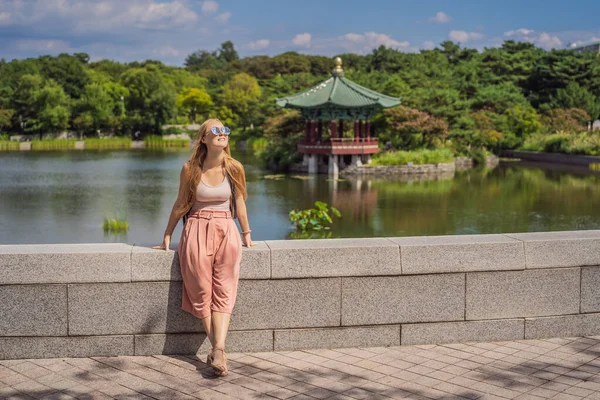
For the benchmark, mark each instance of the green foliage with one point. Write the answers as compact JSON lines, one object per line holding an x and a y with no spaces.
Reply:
{"x":115,"y":225}
{"x":283,"y":133}
{"x":569,"y":120}
{"x":488,"y":100}
{"x":194,"y":101}
{"x":53,"y":144}
{"x":410,"y":128}
{"x":423,"y":156}
{"x":583,"y":143}
{"x":158,"y":142}
{"x":108,"y":143}
{"x":241,"y":95}
{"x":574,"y":96}
{"x":9,"y":145}
{"x":313,"y":219}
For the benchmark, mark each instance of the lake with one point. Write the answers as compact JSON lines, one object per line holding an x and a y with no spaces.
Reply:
{"x":63,"y":197}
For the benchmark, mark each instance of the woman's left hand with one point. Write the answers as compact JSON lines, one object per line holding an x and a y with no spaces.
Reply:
{"x":246,"y":239}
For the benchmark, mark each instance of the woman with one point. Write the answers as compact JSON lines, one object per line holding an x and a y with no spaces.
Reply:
{"x":212,"y":191}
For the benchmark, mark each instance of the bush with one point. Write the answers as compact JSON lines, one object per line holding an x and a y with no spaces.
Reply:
{"x":410,"y":128}
{"x":569,"y":120}
{"x":423,"y":156}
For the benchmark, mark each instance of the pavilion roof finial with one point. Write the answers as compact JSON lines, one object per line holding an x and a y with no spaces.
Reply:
{"x":338,"y":71}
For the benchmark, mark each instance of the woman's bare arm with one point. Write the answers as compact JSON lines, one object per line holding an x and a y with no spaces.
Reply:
{"x":242,"y":216}
{"x":174,"y":216}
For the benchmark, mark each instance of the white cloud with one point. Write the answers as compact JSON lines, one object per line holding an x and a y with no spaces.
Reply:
{"x":43,"y":46}
{"x":302,"y":39}
{"x":223,"y":17}
{"x":210,"y":7}
{"x":84,"y":16}
{"x":464,"y":37}
{"x":363,"y":43}
{"x":522,"y":32}
{"x":166,"y":51}
{"x":541,"y":39}
{"x":440,"y":18}
{"x":548,"y":41}
{"x":578,"y":42}
{"x":258,"y":44}
{"x":428,"y":45}
{"x":4,"y":18}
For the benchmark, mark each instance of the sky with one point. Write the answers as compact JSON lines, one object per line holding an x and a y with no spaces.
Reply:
{"x":169,"y":30}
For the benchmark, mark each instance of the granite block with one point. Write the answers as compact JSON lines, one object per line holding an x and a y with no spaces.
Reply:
{"x":333,"y":257}
{"x":148,"y":264}
{"x":33,"y":310}
{"x":65,"y":263}
{"x":530,"y":293}
{"x":392,"y":300}
{"x":590,"y":292}
{"x":562,"y":326}
{"x":128,"y":308}
{"x":459,"y":253}
{"x":287,"y":303}
{"x":560,"y":249}
{"x":186,"y":343}
{"x":328,"y":338}
{"x":465,"y":331}
{"x":55,"y":347}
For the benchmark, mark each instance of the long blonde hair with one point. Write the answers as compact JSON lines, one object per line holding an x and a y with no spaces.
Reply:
{"x":233,"y":167}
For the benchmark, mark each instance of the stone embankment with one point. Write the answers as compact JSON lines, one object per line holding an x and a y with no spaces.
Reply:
{"x":116,"y":299}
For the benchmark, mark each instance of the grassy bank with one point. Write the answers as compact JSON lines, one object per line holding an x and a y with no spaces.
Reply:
{"x":9,"y":145}
{"x":584,"y":143}
{"x":54,"y":144}
{"x":153,"y":142}
{"x":111,"y":143}
{"x":422,"y":156}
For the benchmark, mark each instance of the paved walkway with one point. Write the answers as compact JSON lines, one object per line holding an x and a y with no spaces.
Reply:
{"x":524,"y":369}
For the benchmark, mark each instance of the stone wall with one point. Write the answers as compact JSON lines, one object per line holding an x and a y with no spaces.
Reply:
{"x":398,"y":170}
{"x":116,"y":299}
{"x":554,"y":158}
{"x":443,"y":170}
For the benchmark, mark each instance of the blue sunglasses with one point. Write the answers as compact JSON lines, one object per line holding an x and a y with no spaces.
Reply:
{"x":224,"y":130}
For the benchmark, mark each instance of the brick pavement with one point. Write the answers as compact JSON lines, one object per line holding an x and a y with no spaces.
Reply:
{"x":567,"y":368}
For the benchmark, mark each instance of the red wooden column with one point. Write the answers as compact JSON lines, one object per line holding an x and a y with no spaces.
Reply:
{"x":333,"y":129}
{"x":356,"y":130}
{"x":306,"y":131}
{"x":341,"y":128}
{"x":368,"y":129}
{"x":320,"y":130}
{"x":312,"y":130}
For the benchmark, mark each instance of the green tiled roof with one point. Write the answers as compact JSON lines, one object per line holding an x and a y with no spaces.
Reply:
{"x":338,"y":92}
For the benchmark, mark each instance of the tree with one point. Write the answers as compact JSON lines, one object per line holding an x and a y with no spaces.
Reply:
{"x":51,"y":111}
{"x":194,"y":101}
{"x":410,"y":128}
{"x":574,"y":96}
{"x":499,"y":97}
{"x":97,"y":106}
{"x":5,"y":118}
{"x":152,"y":99}
{"x":241,"y":94}
{"x":227,"y":52}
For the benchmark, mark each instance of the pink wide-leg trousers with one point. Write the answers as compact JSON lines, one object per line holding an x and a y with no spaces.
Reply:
{"x":210,"y":251}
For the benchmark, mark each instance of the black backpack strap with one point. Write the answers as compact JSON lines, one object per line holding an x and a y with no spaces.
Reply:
{"x":232,"y":201}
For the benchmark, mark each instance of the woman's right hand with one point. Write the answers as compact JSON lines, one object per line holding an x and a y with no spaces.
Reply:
{"x":165,"y":244}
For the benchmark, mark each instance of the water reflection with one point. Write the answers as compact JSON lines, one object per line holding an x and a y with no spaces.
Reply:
{"x":63,"y":197}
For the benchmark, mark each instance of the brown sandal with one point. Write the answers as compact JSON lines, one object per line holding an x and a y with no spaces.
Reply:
{"x":209,"y":358}
{"x":221,"y":370}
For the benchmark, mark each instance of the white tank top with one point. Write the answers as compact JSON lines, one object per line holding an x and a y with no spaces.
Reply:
{"x":213,"y":197}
